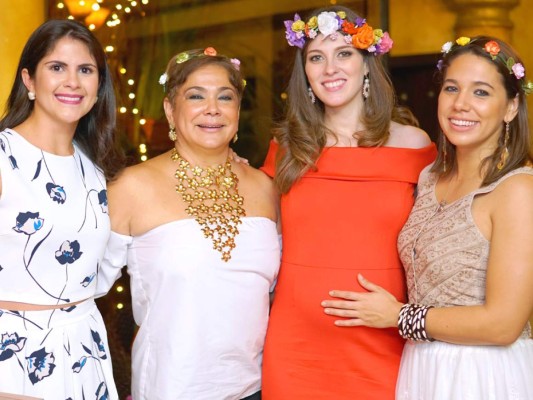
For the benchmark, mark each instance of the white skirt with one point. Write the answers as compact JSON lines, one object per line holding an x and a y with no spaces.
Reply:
{"x":444,"y":371}
{"x":56,"y":355}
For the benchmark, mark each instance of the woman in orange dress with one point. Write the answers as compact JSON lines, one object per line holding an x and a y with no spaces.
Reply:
{"x":346,"y":160}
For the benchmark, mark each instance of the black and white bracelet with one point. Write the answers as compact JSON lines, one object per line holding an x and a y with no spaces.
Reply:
{"x":412,"y":322}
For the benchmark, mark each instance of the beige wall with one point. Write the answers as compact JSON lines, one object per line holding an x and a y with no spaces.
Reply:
{"x":419,"y":26}
{"x":423,"y":26}
{"x":21,"y":17}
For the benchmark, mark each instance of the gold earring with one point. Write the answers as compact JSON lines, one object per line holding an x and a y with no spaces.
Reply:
{"x":505,"y":152}
{"x":172,"y":134}
{"x":235,"y":138}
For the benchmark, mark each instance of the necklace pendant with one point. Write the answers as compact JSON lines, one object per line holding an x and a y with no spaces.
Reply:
{"x":212,"y":198}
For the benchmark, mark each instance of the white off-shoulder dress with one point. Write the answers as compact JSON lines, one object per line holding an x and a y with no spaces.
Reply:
{"x":202,"y":321}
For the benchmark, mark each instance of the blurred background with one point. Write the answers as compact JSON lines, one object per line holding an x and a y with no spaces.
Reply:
{"x":140,"y":36}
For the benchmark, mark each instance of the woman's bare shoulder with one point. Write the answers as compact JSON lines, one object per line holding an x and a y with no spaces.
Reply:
{"x":137,"y":181}
{"x":407,"y":136}
{"x":259,"y":192}
{"x":517,"y":188}
{"x":254,"y":176}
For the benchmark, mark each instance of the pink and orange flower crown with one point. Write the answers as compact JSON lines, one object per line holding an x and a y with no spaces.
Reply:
{"x":357,"y":33}
{"x":493,"y":49}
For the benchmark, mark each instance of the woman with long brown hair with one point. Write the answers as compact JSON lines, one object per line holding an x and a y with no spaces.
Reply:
{"x":57,"y":148}
{"x":346,"y":159}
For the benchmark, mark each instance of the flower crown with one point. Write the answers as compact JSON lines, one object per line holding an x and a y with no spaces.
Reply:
{"x":493,"y":48}
{"x":357,"y":33}
{"x":188,"y":55}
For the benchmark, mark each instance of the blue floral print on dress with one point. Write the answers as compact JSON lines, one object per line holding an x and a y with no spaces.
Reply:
{"x":100,"y":344}
{"x":40,"y":364}
{"x":41,"y":234}
{"x":102,"y":200}
{"x":88,"y":280}
{"x":68,"y":252}
{"x":10,"y":344}
{"x":56,"y":192}
{"x":10,"y":157}
{"x":28,"y":223}
{"x":102,"y":393}
{"x":13,"y":162}
{"x":78,"y":365}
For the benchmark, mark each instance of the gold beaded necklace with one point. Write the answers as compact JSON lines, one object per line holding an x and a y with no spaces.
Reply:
{"x":212,"y":199}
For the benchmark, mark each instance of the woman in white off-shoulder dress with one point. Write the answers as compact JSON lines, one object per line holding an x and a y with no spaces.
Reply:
{"x":198,"y":233}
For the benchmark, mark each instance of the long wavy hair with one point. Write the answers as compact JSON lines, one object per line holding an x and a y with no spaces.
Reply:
{"x":95,"y":132}
{"x":519,"y":144}
{"x":302,"y":134}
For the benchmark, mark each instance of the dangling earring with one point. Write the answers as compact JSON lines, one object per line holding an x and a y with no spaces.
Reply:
{"x":31,"y":96}
{"x":172,"y":134}
{"x":235,"y":138}
{"x":311,"y":94}
{"x":505,"y":151}
{"x":444,"y":152}
{"x":366,"y":87}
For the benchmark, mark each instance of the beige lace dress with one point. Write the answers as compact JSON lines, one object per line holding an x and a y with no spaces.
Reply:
{"x":445,"y":258}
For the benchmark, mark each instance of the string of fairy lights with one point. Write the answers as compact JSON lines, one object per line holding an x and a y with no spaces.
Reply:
{"x":95,"y":12}
{"x":112,"y":13}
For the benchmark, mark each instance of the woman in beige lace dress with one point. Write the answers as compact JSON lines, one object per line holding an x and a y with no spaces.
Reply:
{"x":466,"y":246}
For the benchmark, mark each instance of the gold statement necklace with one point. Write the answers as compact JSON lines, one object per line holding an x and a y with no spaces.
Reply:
{"x":212,"y":199}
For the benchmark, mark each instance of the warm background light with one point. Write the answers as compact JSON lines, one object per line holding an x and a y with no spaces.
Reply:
{"x":98,"y":17}
{"x":79,"y":8}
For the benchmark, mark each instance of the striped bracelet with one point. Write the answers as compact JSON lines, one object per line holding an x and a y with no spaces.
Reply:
{"x":412,"y":322}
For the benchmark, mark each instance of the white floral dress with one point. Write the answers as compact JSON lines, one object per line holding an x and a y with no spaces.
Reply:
{"x":54,"y":228}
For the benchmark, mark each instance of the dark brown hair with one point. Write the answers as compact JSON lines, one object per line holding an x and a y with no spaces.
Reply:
{"x":178,"y":72}
{"x":519,"y":144}
{"x":95,"y":131}
{"x":302,"y":134}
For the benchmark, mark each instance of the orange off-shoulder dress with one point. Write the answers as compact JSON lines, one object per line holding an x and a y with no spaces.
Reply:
{"x":338,"y":221}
